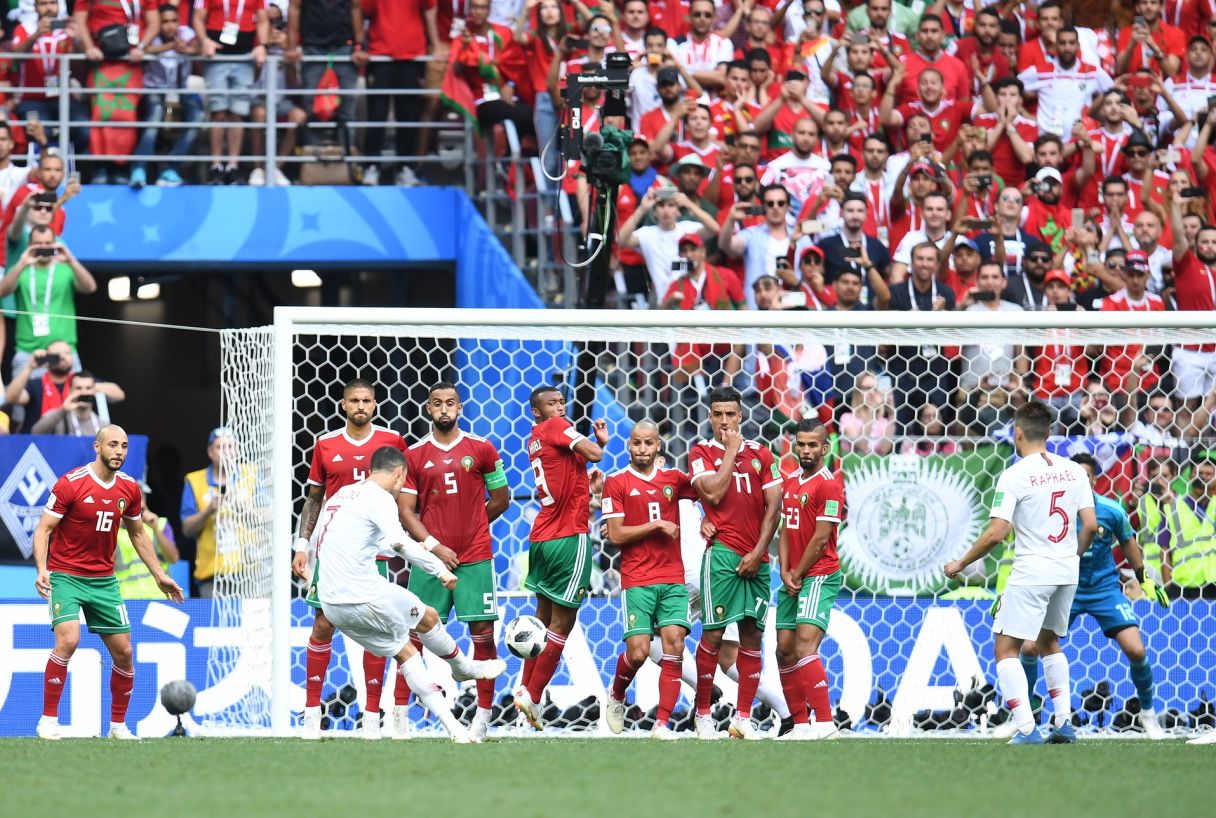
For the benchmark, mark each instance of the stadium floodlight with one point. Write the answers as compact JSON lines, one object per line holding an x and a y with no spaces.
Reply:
{"x":119,"y":288}
{"x":305,"y":278}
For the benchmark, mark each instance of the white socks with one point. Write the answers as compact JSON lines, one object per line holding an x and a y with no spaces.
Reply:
{"x":1012,"y":679}
{"x":1055,"y":673}
{"x":432,"y":698}
{"x":439,"y":642}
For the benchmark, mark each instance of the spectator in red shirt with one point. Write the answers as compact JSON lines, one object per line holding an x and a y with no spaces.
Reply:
{"x":1125,"y":369}
{"x":1060,"y":370}
{"x":929,"y":54}
{"x":1193,"y":365}
{"x":1046,"y":217}
{"x":539,"y":34}
{"x":982,"y":48}
{"x":1151,"y":44}
{"x":42,"y":71}
{"x":946,"y":116}
{"x":224,"y":32}
{"x":476,"y":59}
{"x":397,"y":31}
{"x":1010,"y":132}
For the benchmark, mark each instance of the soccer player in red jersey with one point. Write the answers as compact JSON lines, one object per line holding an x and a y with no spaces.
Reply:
{"x":74,"y":552}
{"x":812,"y":505}
{"x":559,"y":550}
{"x":450,"y":474}
{"x":641,"y":507}
{"x":340,"y":458}
{"x":739,"y":486}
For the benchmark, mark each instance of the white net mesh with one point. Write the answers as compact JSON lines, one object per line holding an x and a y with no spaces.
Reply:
{"x":920,"y":420}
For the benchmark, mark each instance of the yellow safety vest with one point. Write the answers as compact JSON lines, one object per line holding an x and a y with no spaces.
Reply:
{"x":1192,"y":544}
{"x":1149,"y":512}
{"x":209,"y":559}
{"x":134,"y":579}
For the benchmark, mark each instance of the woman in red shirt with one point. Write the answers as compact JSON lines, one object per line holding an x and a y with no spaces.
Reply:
{"x":538,"y":33}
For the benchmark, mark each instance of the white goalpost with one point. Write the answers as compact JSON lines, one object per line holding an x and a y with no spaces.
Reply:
{"x":907,"y":651}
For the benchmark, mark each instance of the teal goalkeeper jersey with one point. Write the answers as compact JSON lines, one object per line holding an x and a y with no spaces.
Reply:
{"x":1098,"y":571}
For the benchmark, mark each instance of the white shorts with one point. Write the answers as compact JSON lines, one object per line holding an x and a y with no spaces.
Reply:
{"x":1024,"y":610}
{"x":1194,"y":372}
{"x":381,"y":626}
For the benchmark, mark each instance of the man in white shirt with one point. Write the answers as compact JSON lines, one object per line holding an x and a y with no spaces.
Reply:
{"x":701,"y":51}
{"x":1047,"y":502}
{"x":660,"y":243}
{"x":356,"y":524}
{"x":935,"y":209}
{"x":1064,"y":86}
{"x":1192,"y":89}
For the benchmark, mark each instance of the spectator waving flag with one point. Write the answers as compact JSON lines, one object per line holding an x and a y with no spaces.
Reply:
{"x":114,"y":104}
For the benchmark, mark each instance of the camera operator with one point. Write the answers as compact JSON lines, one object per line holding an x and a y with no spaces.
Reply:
{"x":77,"y":417}
{"x":51,"y":390}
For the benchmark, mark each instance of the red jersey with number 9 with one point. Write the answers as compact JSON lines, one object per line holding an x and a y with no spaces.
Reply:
{"x":339,"y":460}
{"x":739,"y":514}
{"x":636,"y":499}
{"x":562,"y":485}
{"x":89,"y":513}
{"x":803,"y":504}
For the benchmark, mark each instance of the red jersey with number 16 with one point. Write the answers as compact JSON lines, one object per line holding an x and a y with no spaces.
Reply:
{"x":562,"y":485}
{"x":803,"y":504}
{"x":738,"y":516}
{"x":636,"y":499}
{"x":89,"y":513}
{"x":450,"y":483}
{"x":339,"y":460}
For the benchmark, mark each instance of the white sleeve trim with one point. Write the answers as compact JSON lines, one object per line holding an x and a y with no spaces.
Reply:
{"x":772,"y":483}
{"x":56,"y":515}
{"x":613,"y":515}
{"x":829,"y":519}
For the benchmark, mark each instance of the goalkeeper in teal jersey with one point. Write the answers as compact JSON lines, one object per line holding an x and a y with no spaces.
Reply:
{"x":1100,"y":594}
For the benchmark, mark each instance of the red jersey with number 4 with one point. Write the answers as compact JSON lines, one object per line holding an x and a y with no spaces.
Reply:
{"x":804,"y":502}
{"x":339,"y":460}
{"x":450,"y":483}
{"x":89,"y":513}
{"x":637,"y":499}
{"x":562,"y":485}
{"x":738,"y":516}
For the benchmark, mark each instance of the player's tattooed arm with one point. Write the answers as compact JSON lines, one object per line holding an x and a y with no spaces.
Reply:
{"x":308,"y":521}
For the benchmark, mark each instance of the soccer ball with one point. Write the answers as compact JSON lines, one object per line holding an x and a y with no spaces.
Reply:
{"x":178,"y":697}
{"x":525,"y":637}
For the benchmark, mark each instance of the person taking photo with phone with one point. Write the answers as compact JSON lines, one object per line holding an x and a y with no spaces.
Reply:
{"x":41,"y":394}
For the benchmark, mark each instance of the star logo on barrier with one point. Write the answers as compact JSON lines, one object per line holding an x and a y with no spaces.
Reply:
{"x":23,"y":495}
{"x":310,"y":221}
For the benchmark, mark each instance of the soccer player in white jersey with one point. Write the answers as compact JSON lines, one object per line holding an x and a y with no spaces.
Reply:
{"x":355,"y":525}
{"x":1040,"y":498}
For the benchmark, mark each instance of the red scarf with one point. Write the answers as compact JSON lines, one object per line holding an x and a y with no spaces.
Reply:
{"x":52,"y":394}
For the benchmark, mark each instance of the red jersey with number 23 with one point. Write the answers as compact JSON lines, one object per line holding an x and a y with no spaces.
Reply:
{"x":637,"y":499}
{"x":738,"y":516}
{"x":450,"y":483}
{"x":339,"y":460}
{"x":89,"y":513}
{"x":562,"y":485}
{"x":803,"y":504}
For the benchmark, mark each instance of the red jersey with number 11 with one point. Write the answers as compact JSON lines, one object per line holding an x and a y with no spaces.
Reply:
{"x":89,"y":513}
{"x":636,"y":499}
{"x":339,"y":460}
{"x":804,"y":502}
{"x":562,"y":485}
{"x":739,"y":514}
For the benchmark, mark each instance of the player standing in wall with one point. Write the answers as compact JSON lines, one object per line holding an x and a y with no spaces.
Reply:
{"x":74,"y":553}
{"x":641,"y":507}
{"x":356,"y":525}
{"x":813,"y":508}
{"x":450,"y":474}
{"x":340,"y":458}
{"x":559,"y":551}
{"x":1041,"y":498}
{"x":740,"y":489}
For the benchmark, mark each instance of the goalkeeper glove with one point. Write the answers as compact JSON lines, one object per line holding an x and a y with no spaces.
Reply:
{"x":1155,"y":592}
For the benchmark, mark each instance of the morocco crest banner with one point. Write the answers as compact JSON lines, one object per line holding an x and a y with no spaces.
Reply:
{"x":909,"y":515}
{"x":113,"y":105}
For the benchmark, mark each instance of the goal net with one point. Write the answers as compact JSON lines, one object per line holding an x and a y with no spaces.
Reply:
{"x":919,"y":408}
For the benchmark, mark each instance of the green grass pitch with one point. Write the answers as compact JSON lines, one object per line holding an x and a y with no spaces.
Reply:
{"x":236,"y":778}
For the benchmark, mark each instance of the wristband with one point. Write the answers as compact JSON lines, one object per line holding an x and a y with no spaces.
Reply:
{"x":301,"y":544}
{"x":429,"y":543}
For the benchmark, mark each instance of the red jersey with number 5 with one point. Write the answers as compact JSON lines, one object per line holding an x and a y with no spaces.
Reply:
{"x":339,"y":460}
{"x":804,"y":503}
{"x":741,"y":511}
{"x":450,"y":483}
{"x":636,"y":499}
{"x":89,"y":513}
{"x":562,"y":485}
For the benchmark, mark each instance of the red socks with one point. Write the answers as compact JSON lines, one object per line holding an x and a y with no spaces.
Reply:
{"x":669,"y":687}
{"x":545,"y":665}
{"x":316,"y":662}
{"x":401,"y":688}
{"x":707,"y":666}
{"x":793,"y":685}
{"x":121,"y":684}
{"x":373,"y":680}
{"x":815,"y":678}
{"x":624,"y":675}
{"x":54,"y":680}
{"x":483,"y":648}
{"x":749,"y":664}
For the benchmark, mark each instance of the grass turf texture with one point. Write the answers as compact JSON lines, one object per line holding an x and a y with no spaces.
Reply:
{"x":560,"y":777}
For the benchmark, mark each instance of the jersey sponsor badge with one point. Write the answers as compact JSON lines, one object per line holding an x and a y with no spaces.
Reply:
{"x":466,"y":462}
{"x":832,"y":508}
{"x":756,"y":465}
{"x":669,"y":492}
{"x":802,"y":498}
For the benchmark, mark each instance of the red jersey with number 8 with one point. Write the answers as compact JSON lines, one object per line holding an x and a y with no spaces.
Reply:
{"x":89,"y":513}
{"x":339,"y":460}
{"x":450,"y":483}
{"x":562,"y":485}
{"x":803,"y":504}
{"x":739,"y":514}
{"x":637,"y":499}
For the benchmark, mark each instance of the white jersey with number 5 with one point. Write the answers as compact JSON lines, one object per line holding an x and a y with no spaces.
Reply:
{"x":1042,"y":495}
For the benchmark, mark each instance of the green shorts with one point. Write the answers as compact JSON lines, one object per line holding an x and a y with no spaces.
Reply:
{"x":813,"y":605}
{"x":314,"y":601}
{"x":727,"y":597}
{"x":651,"y":607}
{"x":98,"y":597}
{"x":473,"y":598}
{"x":560,"y":570}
